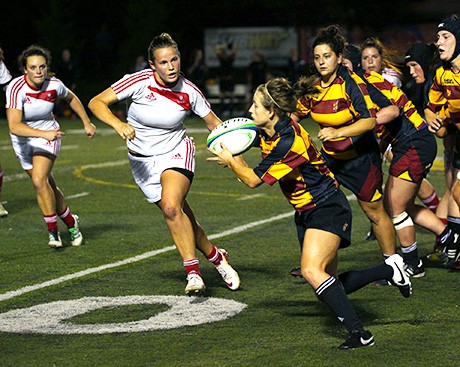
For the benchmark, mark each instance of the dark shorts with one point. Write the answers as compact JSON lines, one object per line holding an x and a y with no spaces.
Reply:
{"x":361,"y":175}
{"x":413,"y":156}
{"x":334,"y":216}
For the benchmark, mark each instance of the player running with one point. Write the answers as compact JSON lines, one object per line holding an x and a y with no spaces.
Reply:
{"x":161,"y":156}
{"x":36,"y":136}
{"x":322,"y":213}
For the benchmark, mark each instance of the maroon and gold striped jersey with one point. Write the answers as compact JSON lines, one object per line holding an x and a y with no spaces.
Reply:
{"x":342,"y":103}
{"x":291,"y":158}
{"x":444,"y":95}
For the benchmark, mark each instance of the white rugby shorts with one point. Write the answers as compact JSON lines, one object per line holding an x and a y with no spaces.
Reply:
{"x":26,"y":148}
{"x":147,"y":170}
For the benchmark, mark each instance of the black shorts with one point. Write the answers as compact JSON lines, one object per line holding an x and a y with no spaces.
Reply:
{"x":362,"y":175}
{"x":413,"y":156}
{"x":334,"y":216}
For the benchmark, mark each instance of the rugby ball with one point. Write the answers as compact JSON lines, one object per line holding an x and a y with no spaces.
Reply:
{"x":238,"y":135}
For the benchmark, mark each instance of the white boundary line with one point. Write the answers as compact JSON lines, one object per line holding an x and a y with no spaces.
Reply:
{"x":146,"y":255}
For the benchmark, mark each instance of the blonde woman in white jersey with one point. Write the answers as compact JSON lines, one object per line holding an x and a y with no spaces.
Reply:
{"x":5,"y":78}
{"x":36,"y":136}
{"x":161,"y":156}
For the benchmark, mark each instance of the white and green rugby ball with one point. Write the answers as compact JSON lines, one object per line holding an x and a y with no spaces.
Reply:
{"x":238,"y":134}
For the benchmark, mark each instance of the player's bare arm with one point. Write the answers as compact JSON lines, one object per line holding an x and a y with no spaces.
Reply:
{"x":14,"y":117}
{"x":99,"y":106}
{"x":76,"y":105}
{"x":359,"y":127}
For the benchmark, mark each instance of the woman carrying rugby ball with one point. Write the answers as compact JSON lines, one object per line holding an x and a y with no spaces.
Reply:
{"x":322,"y":213}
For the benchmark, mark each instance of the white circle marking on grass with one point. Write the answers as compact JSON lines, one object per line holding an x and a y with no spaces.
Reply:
{"x":50,"y":318}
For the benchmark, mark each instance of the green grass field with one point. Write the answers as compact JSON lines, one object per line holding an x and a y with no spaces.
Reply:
{"x":87,"y":306}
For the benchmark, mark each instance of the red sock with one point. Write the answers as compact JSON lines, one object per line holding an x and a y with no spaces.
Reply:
{"x":1,"y":180}
{"x":51,"y":222}
{"x":192,"y":266}
{"x":431,"y":201}
{"x":214,"y":256}
{"x":67,"y":218}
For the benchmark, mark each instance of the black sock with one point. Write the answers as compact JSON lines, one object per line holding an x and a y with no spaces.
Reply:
{"x":356,"y":279}
{"x":333,"y":294}
{"x":410,"y":254}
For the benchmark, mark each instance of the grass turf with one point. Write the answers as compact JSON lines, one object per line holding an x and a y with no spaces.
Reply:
{"x":283,"y":323}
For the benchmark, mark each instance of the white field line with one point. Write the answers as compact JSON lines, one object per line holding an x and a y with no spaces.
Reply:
{"x":146,"y":255}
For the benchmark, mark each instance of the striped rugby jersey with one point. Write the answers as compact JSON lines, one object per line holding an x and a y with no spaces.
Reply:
{"x":444,"y":95}
{"x":343,"y":102}
{"x":291,"y":158}
{"x":409,"y":121}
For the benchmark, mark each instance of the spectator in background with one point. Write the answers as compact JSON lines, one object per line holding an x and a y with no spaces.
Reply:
{"x":296,"y":66}
{"x":5,"y":78}
{"x":197,"y":71}
{"x":66,"y":71}
{"x":257,"y":71}
{"x":140,"y":64}
{"x":226,"y":53}
{"x":256,"y":74}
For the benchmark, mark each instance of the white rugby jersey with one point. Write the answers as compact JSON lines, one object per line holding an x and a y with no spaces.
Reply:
{"x":36,"y":104}
{"x":5,"y":75}
{"x":157,"y":112}
{"x":392,"y":76}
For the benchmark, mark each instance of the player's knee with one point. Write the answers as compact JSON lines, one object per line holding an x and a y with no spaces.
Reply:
{"x":402,"y":220}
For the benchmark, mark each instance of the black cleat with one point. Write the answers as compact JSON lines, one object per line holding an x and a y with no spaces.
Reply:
{"x":358,"y":339}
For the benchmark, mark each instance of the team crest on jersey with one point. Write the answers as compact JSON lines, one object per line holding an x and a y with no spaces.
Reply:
{"x":335,"y":106}
{"x":151,"y":97}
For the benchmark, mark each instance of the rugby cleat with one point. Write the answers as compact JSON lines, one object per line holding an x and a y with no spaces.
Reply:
{"x":54,"y":239}
{"x":399,"y":279}
{"x":195,"y":285}
{"x":415,"y":271}
{"x":76,"y":238}
{"x":228,"y":274}
{"x":358,"y":339}
{"x":3,"y":211}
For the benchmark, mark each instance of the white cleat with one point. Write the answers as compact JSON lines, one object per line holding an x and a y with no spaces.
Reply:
{"x":400,"y":279}
{"x":228,"y":274}
{"x":76,"y":238}
{"x":3,"y":211}
{"x":54,"y":239}
{"x":195,"y":285}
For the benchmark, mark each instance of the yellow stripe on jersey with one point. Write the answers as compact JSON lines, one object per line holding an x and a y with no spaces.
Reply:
{"x":445,"y":94}
{"x":343,"y":102}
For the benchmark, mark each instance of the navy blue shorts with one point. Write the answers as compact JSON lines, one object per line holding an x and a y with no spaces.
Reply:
{"x":362,"y":175}
{"x":413,"y":156}
{"x":333,"y":215}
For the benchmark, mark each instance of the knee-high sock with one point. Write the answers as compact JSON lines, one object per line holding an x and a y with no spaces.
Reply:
{"x":333,"y":294}
{"x":356,"y":279}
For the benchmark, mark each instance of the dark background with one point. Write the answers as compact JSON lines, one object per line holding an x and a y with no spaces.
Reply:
{"x":106,"y":36}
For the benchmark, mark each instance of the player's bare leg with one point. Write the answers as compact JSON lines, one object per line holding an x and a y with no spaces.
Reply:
{"x":381,"y":225}
{"x":40,"y":174}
